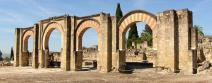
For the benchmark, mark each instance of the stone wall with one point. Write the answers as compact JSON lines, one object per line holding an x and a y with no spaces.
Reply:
{"x":171,"y":40}
{"x":205,"y":50}
{"x":132,"y":55}
{"x":55,"y":56}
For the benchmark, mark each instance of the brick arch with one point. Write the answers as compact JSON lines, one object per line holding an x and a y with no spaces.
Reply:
{"x":83,"y":26}
{"x":47,"y":32}
{"x":137,"y":16}
{"x":86,"y":24}
{"x":27,"y":34}
{"x":131,"y":18}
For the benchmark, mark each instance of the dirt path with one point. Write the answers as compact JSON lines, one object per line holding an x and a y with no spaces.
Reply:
{"x":29,"y":75}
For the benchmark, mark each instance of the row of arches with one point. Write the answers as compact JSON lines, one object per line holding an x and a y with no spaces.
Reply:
{"x":122,"y":27}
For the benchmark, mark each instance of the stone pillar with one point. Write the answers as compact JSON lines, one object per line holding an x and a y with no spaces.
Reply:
{"x":121,"y":58}
{"x":40,"y":47}
{"x":65,"y":57}
{"x":167,"y":54}
{"x":78,"y":59}
{"x":16,"y":47}
{"x":115,"y":35}
{"x":25,"y":58}
{"x":73,"y":44}
{"x":21,"y":64}
{"x":46,"y":58}
{"x":184,"y":27}
{"x":122,"y":42}
{"x":194,"y":38}
{"x":194,"y":46}
{"x":194,"y":61}
{"x":35,"y":45}
{"x":41,"y":59}
{"x":106,"y":46}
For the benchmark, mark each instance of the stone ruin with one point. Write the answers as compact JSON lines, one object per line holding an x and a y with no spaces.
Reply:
{"x":174,"y":41}
{"x":204,"y":53}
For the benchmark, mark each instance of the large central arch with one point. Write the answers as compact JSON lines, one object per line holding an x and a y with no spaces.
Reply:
{"x":131,"y":18}
{"x":125,"y":23}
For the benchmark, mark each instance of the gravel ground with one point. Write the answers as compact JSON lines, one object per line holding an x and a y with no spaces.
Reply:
{"x":53,"y":75}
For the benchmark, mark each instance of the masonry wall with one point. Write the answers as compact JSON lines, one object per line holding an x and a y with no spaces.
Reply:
{"x":184,"y":39}
{"x":16,"y":48}
{"x":166,"y":40}
{"x":173,"y":42}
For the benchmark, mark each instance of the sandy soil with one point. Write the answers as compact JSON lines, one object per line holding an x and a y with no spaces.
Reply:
{"x":53,"y":75}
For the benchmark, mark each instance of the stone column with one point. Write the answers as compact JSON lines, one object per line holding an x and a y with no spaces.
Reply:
{"x":115,"y":34}
{"x":73,"y":44}
{"x":106,"y":43}
{"x":46,"y":62}
{"x":35,"y":45}
{"x":16,"y":47}
{"x":194,"y":38}
{"x":194,"y":61}
{"x":167,"y":42}
{"x":121,"y":58}
{"x":25,"y":58}
{"x":40,"y":47}
{"x":21,"y":49}
{"x":122,"y":42}
{"x":41,"y":59}
{"x":184,"y":31}
{"x":65,"y":57}
{"x":194,"y":46}
{"x":79,"y":59}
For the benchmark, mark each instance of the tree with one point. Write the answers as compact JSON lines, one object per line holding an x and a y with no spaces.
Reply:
{"x":146,"y":35}
{"x":119,"y":13}
{"x":11,"y":54}
{"x":148,"y":29}
{"x":199,"y":30}
{"x":1,"y":58}
{"x":133,"y":35}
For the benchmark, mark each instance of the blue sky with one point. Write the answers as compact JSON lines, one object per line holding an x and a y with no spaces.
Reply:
{"x":24,"y":13}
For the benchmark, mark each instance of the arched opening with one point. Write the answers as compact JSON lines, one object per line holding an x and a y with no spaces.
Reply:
{"x":88,"y":45}
{"x":53,"y":35}
{"x":138,"y":46}
{"x":90,"y":49}
{"x":55,"y":49}
{"x":27,"y":48}
{"x":30,"y":50}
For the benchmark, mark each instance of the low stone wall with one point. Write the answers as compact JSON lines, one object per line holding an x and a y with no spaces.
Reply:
{"x":139,"y":55}
{"x":132,"y":55}
{"x":55,"y":56}
{"x":90,"y":54}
